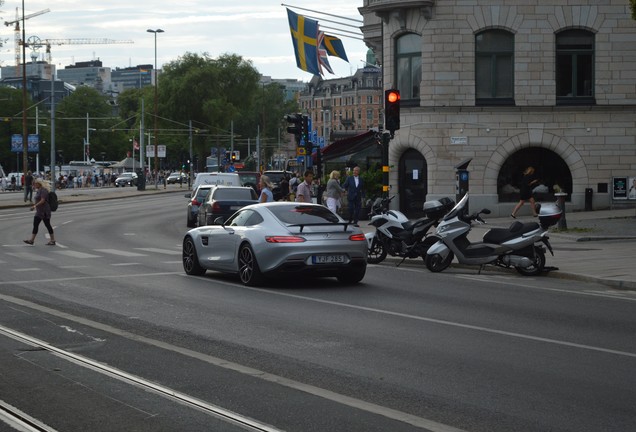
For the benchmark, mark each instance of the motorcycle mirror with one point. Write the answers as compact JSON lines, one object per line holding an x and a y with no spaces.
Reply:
{"x":485,"y":211}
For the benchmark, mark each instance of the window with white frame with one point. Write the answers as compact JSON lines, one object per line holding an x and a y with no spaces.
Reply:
{"x":409,"y":65}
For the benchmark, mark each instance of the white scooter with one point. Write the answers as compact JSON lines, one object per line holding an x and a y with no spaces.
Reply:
{"x":396,"y":235}
{"x":519,"y":246}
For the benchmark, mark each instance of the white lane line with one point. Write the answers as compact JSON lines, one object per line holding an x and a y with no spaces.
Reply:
{"x":26,"y":269}
{"x":161,"y":251}
{"x":390,"y":413}
{"x":119,"y":252}
{"x":590,"y":293}
{"x":29,"y":256}
{"x":77,"y":254}
{"x":125,"y":264}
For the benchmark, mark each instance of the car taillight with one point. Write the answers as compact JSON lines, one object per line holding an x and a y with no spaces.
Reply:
{"x":216,"y":207}
{"x":284,"y":239}
{"x":196,"y":203}
{"x":357,"y":237}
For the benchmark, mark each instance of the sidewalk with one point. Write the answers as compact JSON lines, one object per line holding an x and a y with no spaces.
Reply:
{"x":597,"y":247}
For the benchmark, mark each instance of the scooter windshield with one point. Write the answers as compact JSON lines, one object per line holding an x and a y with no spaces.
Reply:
{"x":459,"y":207}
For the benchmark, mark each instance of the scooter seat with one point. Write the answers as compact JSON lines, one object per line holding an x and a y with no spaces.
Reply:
{"x":502,"y":235}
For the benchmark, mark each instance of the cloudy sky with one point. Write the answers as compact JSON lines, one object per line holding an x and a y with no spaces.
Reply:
{"x":255,"y":29}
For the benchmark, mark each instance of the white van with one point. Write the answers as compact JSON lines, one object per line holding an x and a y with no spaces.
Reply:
{"x":216,"y":178}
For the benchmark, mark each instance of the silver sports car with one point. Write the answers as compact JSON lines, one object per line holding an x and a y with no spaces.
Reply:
{"x":278,"y":238}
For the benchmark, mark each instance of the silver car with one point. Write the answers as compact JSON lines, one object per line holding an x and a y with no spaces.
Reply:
{"x":278,"y":238}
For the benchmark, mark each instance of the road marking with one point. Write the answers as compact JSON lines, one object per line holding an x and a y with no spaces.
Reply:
{"x":161,"y":251}
{"x":515,"y":284}
{"x":119,"y":252}
{"x":390,"y":413}
{"x":77,"y":254}
{"x":26,"y":269}
{"x":29,"y":256}
{"x":125,"y":264}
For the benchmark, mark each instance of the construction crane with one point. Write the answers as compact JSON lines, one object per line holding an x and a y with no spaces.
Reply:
{"x":35,"y":43}
{"x":17,"y":31}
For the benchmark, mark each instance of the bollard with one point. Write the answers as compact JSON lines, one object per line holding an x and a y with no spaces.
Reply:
{"x":560,"y":196}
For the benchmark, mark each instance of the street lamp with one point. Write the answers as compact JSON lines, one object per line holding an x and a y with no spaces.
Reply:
{"x":156,"y":85}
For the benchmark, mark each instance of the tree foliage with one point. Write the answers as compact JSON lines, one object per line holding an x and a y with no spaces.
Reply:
{"x":632,"y":5}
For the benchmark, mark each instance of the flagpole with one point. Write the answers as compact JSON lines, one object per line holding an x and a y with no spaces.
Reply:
{"x":324,"y":13}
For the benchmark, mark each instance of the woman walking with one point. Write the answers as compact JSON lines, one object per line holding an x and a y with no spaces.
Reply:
{"x":525,"y":192}
{"x":42,"y":211}
{"x":266,"y":190}
{"x":334,"y":191}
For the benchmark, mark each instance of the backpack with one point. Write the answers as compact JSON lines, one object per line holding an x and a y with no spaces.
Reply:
{"x":53,"y":201}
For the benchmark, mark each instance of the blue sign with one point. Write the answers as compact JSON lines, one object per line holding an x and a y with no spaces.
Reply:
{"x":464,"y":175}
{"x":33,"y":143}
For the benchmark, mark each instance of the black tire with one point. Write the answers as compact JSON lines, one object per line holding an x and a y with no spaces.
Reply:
{"x":191,"y":223}
{"x":352,"y":276}
{"x":537,"y":265}
{"x":191,"y":259}
{"x":249,"y":272}
{"x":377,"y":252}
{"x":436,"y":263}
{"x":426,"y":245}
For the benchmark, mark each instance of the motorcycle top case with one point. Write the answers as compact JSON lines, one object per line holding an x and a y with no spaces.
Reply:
{"x":549,"y":215}
{"x":435,"y":209}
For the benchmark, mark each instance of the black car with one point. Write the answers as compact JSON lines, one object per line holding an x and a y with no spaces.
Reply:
{"x":126,"y":179}
{"x":224,"y":201}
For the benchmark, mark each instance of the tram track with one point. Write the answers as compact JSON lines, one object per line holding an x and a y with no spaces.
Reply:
{"x":16,"y":418}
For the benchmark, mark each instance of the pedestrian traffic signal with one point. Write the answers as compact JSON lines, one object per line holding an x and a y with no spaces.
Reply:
{"x":296,"y":126}
{"x":392,"y":110}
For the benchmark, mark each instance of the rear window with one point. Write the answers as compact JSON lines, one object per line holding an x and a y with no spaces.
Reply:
{"x":202,"y":193}
{"x":303,"y":214}
{"x":234,"y":194}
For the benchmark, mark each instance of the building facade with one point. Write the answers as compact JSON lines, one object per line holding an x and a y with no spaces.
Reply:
{"x":344,"y":107}
{"x":504,"y":85}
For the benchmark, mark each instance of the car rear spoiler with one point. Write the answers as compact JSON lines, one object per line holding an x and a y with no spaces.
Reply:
{"x":345,"y":225}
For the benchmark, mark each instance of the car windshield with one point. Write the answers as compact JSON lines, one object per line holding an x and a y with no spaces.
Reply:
{"x":234,"y":194}
{"x":304,"y":214}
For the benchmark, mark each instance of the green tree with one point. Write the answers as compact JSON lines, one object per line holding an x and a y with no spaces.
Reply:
{"x":632,"y":5}
{"x":11,"y":123}
{"x":71,"y":128}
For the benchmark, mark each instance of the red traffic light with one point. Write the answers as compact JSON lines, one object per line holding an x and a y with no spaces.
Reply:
{"x":392,"y":96}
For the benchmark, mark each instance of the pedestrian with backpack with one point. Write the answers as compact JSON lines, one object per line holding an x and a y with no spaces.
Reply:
{"x":42,"y":211}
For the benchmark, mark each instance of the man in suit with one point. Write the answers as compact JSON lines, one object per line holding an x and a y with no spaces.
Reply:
{"x":355,"y":192}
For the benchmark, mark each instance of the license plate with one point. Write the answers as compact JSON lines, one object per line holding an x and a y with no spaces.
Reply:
{"x":328,"y":259}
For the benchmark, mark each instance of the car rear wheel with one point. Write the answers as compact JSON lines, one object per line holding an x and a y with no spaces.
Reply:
{"x":191,"y":259}
{"x":249,"y":273}
{"x":353,"y":275}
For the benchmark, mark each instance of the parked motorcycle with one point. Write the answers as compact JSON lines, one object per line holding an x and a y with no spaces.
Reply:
{"x":521,"y":246}
{"x":396,"y":235}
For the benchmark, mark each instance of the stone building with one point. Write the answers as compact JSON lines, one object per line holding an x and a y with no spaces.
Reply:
{"x":505,"y":85}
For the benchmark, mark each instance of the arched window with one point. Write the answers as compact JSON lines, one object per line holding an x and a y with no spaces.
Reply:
{"x":409,"y":65}
{"x":575,"y":67}
{"x":494,"y":68}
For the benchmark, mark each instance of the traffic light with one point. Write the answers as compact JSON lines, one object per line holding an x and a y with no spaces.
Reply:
{"x":296,"y":127}
{"x":392,"y":110}
{"x":305,"y":130}
{"x":234,"y":158}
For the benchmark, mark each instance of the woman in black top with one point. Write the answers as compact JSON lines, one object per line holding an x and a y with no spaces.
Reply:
{"x":525,"y":192}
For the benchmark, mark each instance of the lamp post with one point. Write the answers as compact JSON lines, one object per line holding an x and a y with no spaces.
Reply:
{"x":156,"y":84}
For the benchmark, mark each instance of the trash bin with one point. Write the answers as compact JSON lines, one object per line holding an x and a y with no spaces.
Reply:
{"x":141,"y":181}
{"x":588,"y":199}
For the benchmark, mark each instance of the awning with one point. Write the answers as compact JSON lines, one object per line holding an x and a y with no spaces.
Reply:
{"x":350,"y":145}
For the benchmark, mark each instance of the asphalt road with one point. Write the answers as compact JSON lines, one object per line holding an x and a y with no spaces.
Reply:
{"x":137,"y":345}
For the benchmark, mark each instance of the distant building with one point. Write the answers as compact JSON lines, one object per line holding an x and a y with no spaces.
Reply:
{"x":291,"y":87}
{"x":89,"y":73}
{"x":131,"y":77}
{"x":344,"y":107}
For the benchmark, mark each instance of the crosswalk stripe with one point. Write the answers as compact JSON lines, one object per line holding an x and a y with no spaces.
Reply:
{"x":77,"y":254}
{"x":119,"y":252}
{"x":161,"y":251}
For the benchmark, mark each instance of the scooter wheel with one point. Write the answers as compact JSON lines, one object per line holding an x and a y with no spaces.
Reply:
{"x":377,"y":253}
{"x":437,"y":263}
{"x":538,"y":263}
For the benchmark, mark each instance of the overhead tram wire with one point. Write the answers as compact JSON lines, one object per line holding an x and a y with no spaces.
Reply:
{"x":324,"y":13}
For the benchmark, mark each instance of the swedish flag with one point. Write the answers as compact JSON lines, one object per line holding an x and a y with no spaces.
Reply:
{"x":304,"y":32}
{"x":334,"y":47}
